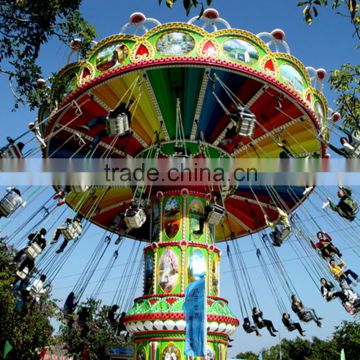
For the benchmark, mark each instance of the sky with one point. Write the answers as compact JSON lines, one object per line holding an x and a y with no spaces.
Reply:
{"x":327,"y":43}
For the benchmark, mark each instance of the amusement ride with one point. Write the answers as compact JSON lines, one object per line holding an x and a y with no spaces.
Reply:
{"x":195,"y":90}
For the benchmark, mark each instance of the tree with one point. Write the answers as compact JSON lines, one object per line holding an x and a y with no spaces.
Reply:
{"x":347,"y":337}
{"x":188,"y":4}
{"x":25,"y":26}
{"x":347,"y":8}
{"x":247,"y":355}
{"x":93,"y":335}
{"x":27,"y":330}
{"x":346,"y":83}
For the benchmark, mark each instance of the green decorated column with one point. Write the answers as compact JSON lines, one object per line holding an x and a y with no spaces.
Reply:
{"x":176,"y":253}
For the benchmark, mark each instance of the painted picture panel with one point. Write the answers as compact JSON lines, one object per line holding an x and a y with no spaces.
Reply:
{"x":196,"y":266}
{"x":241,"y":50}
{"x":172,"y":217}
{"x":175,"y":43}
{"x":111,"y":56}
{"x":292,"y":77}
{"x":171,"y":352}
{"x":168,"y":271}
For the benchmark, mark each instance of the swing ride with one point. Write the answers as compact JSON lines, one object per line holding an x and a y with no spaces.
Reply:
{"x":179,"y":91}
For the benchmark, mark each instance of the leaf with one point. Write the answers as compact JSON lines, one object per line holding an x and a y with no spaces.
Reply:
{"x":187,"y":5}
{"x":208,"y":2}
{"x":170,"y":3}
{"x":302,"y":3}
{"x":352,"y":8}
{"x":315,"y":11}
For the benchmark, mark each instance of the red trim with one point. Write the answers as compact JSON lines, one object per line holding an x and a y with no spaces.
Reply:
{"x":179,"y":339}
{"x":209,"y":247}
{"x":178,"y":316}
{"x":183,"y":60}
{"x":144,"y":297}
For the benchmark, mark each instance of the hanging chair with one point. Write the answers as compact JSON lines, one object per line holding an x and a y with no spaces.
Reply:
{"x":23,"y":274}
{"x":33,"y":250}
{"x":72,"y":231}
{"x":134,"y":217}
{"x":117,"y":126}
{"x":216,"y":215}
{"x":245,"y":122}
{"x":10,"y":202}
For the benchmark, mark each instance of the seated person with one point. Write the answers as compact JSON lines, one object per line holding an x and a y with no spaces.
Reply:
{"x":37,"y":238}
{"x":304,"y":314}
{"x":12,"y":150}
{"x":291,"y":326}
{"x":111,"y":315}
{"x":327,"y":291}
{"x":207,"y":210}
{"x":325,"y":246}
{"x":341,"y":273}
{"x":70,"y":304}
{"x":346,"y":207}
{"x":121,"y":330}
{"x":248,"y":328}
{"x":71,"y":231}
{"x":351,"y":300}
{"x":37,"y":288}
{"x":347,"y":150}
{"x":281,"y":227}
{"x":101,"y":120}
{"x":260,"y":322}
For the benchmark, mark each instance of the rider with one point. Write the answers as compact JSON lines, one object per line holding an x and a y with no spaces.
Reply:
{"x":260,"y":322}
{"x":346,"y":206}
{"x":341,"y":273}
{"x":290,"y":325}
{"x":71,"y":231}
{"x":327,"y":292}
{"x":281,"y":227}
{"x":248,"y":328}
{"x":304,"y":314}
{"x":325,"y":245}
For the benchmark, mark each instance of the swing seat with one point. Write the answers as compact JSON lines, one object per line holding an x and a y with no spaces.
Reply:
{"x":117,"y":126}
{"x":134,"y":218}
{"x":72,"y":231}
{"x":33,"y":251}
{"x":9,"y":203}
{"x":245,"y":123}
{"x":11,"y":152}
{"x":216,"y":215}
{"x":23,"y":274}
{"x":305,"y":316}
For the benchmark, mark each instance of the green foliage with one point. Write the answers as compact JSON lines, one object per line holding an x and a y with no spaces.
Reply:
{"x":348,"y":8}
{"x":247,"y":355}
{"x":346,"y":336}
{"x":188,"y":4}
{"x":25,"y":26}
{"x":346,"y":83}
{"x":100,"y":334}
{"x":28,"y":330}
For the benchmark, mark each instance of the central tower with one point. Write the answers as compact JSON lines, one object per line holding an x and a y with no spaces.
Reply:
{"x":182,"y":247}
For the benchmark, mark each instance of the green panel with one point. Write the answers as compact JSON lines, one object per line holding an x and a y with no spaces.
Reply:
{"x":172,"y":83}
{"x":193,"y":80}
{"x":163,"y":87}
